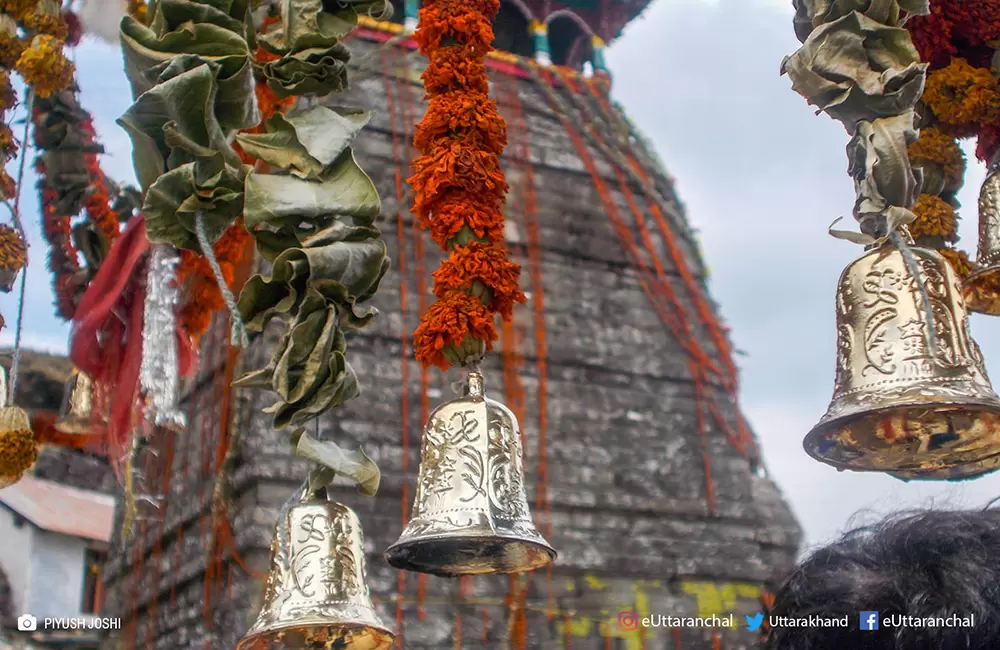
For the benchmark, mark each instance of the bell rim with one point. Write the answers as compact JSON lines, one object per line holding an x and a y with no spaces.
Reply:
{"x":388,"y":636}
{"x":809,"y":442}
{"x":953,"y":479}
{"x":971,"y":282}
{"x":76,"y":426}
{"x":390,"y":554}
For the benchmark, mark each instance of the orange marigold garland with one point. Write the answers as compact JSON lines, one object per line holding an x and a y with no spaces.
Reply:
{"x":936,"y":219}
{"x":13,"y":254}
{"x":961,"y":99}
{"x":934,"y":148}
{"x":459,"y":186}
{"x":959,"y":261}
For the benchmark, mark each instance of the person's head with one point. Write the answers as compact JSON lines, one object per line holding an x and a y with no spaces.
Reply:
{"x":930,"y":564}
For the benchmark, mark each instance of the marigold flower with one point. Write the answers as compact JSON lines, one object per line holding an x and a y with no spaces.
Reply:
{"x":44,"y":66}
{"x":935,"y":218}
{"x":11,"y":45}
{"x":965,"y":28}
{"x":8,"y":145}
{"x":8,"y":188}
{"x":137,"y":9}
{"x":18,"y":452}
{"x":988,"y":143}
{"x":449,"y":322}
{"x":959,"y":261}
{"x":18,"y":9}
{"x":937,"y":148}
{"x":8,"y":98}
{"x":963,"y":97}
{"x":46,"y":18}
{"x":13,"y":251}
{"x":486,"y":265}
{"x":74,"y":29}
{"x":459,"y":209}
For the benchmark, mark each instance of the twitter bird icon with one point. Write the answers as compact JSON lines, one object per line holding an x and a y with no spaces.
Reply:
{"x":753,"y":622}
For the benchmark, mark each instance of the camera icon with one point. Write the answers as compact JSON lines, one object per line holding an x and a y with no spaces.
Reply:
{"x":27,"y":623}
{"x":628,"y":621}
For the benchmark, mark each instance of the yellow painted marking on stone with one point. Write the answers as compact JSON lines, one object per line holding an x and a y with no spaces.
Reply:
{"x":595,"y":583}
{"x":718,"y":598}
{"x":570,"y":585}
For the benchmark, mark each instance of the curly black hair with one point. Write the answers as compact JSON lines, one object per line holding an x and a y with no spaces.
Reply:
{"x":929,"y":564}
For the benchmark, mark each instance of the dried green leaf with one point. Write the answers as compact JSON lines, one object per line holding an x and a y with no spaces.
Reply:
{"x":856,"y":69}
{"x":354,"y":464}
{"x":305,"y":25}
{"x":306,"y":144}
{"x":345,"y":269}
{"x":308,"y":369}
{"x":187,"y":103}
{"x":285,"y":202}
{"x":880,"y":165}
{"x":174,"y":199}
{"x":312,"y":71}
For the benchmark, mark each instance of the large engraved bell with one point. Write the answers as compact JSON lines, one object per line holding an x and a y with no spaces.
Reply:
{"x":470,"y":513}
{"x":76,"y":415}
{"x":982,"y":287}
{"x":316,"y":597}
{"x":899,"y":405}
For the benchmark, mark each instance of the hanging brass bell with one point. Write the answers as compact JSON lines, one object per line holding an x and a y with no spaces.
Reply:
{"x":982,"y":287}
{"x":906,"y":399}
{"x":76,"y":415}
{"x":316,"y":597}
{"x":470,"y":512}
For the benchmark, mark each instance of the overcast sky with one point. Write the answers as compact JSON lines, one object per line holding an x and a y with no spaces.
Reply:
{"x":762,"y":178}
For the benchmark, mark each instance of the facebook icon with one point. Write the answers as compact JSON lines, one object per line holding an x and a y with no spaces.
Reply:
{"x":869,"y":621}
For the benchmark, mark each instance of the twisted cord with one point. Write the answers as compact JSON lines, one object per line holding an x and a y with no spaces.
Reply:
{"x":15,"y":363}
{"x":238,"y":336}
{"x":914,"y":269}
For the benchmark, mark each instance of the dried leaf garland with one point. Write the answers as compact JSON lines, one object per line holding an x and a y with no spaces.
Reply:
{"x":315,"y":225}
{"x":858,"y":65}
{"x":459,"y":186}
{"x":192,"y":79}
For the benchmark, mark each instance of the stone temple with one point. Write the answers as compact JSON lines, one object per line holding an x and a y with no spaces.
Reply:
{"x":641,"y":471}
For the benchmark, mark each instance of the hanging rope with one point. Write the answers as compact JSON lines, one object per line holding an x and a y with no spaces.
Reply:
{"x":238,"y":336}
{"x":15,"y":364}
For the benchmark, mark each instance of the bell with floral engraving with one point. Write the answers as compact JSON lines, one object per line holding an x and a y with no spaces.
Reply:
{"x":982,"y":287}
{"x":911,"y":397}
{"x":470,"y":513}
{"x":316,"y":597}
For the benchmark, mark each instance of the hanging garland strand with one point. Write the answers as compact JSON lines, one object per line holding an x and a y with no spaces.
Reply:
{"x":71,"y":182}
{"x":313,"y":219}
{"x":861,"y":69}
{"x":961,"y":99}
{"x":203,"y":296}
{"x":459,"y":186}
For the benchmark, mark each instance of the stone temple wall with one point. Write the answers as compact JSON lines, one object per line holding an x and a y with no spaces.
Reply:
{"x":639,"y":523}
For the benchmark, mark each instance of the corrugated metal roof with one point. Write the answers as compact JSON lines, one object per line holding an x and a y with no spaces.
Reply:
{"x":62,"y":509}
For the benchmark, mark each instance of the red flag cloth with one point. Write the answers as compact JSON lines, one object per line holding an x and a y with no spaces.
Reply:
{"x":106,"y":339}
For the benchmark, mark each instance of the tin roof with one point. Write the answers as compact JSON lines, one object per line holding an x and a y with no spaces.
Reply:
{"x":62,"y":509}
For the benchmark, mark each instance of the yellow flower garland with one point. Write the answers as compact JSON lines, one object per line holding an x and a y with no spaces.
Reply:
{"x":44,"y":66}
